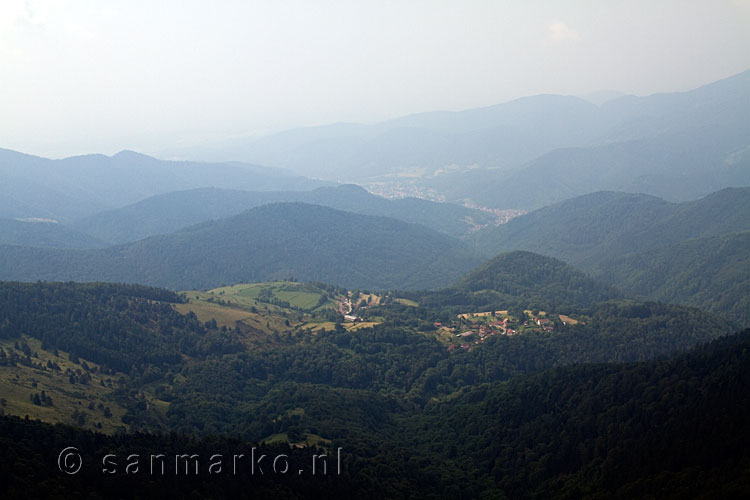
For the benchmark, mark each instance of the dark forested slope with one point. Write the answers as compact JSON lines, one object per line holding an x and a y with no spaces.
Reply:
{"x":693,"y":253}
{"x":276,"y":241}
{"x":44,"y":233}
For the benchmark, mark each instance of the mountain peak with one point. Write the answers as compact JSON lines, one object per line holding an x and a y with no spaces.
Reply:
{"x":127,"y":154}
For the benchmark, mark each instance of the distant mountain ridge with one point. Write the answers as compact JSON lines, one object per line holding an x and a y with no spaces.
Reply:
{"x":501,"y":135}
{"x":169,"y":212}
{"x":80,"y":186}
{"x":537,"y":150}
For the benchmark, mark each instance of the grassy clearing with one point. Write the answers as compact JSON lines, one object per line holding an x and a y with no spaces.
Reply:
{"x":309,"y":440}
{"x":330,"y":325}
{"x":352,"y":327}
{"x":406,"y":302}
{"x":246,"y":307}
{"x":315,"y":326}
{"x":234,"y":305}
{"x":281,"y":437}
{"x":315,"y":440}
{"x":370,"y":299}
{"x":246,"y":295}
{"x":445,"y":336}
{"x":530,"y":313}
{"x":160,"y":406}
{"x":299,"y":295}
{"x":568,"y":320}
{"x":224,"y":316}
{"x":88,"y":400}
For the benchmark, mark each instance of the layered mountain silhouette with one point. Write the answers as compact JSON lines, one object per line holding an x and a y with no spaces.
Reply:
{"x":171,"y":211}
{"x":537,"y":150}
{"x":80,"y":186}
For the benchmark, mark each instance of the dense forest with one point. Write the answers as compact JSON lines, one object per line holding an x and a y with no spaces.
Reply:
{"x":277,"y":241}
{"x":524,"y":279}
{"x":120,"y":326}
{"x":712,"y":273}
{"x":664,"y":428}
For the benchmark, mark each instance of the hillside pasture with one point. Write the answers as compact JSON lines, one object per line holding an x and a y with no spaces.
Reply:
{"x":85,"y":400}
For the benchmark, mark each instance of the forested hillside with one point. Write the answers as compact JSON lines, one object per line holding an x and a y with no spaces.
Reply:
{"x":276,"y":241}
{"x":690,"y":253}
{"x":531,"y":279}
{"x":44,"y":233}
{"x":712,"y":273}
{"x":591,"y":229}
{"x":120,"y":326}
{"x":668,"y":429}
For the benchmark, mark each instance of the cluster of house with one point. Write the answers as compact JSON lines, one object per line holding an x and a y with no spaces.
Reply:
{"x":545,"y":323}
{"x":465,"y":347}
{"x":479,"y":330}
{"x":479,"y":326}
{"x":346,"y":309}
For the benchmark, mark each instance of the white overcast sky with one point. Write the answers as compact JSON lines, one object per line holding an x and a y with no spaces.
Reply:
{"x":101,"y":76}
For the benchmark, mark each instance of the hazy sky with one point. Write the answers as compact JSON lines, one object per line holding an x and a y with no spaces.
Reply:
{"x":101,"y":76}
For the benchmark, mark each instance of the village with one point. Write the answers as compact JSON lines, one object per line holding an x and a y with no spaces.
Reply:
{"x":467,"y":329}
{"x":474,"y":328}
{"x":349,"y":304}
